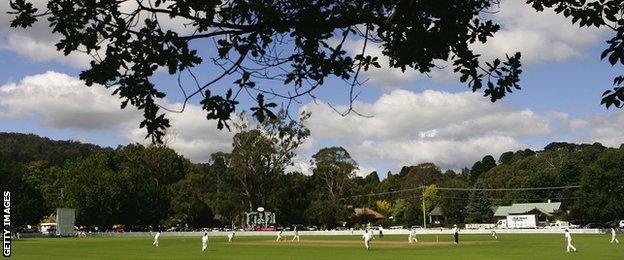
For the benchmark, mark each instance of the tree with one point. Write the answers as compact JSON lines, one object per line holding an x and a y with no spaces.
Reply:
{"x":189,"y":201}
{"x":420,"y":175}
{"x":27,"y":205}
{"x":601,"y":187}
{"x":300,"y":43}
{"x":224,"y":198}
{"x":293,"y":196}
{"x":398,"y":210}
{"x":505,"y":157}
{"x":479,"y":209}
{"x":431,"y":196}
{"x":332,"y":171}
{"x":481,"y":167}
{"x":260,"y":155}
{"x":453,"y":203}
{"x":383,"y":207}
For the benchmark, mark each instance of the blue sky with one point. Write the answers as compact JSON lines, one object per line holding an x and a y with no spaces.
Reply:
{"x":415,"y":118}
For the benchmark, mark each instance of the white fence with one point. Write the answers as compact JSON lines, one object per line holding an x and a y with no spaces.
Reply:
{"x":358,"y":232}
{"x":340,"y":233}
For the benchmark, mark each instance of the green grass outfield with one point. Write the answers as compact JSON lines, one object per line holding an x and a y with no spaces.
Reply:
{"x":508,"y":246}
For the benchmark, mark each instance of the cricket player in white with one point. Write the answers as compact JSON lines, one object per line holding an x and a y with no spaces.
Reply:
{"x":494,"y":234}
{"x":568,"y":239}
{"x":614,"y":237}
{"x":230,"y":236}
{"x":412,"y":236}
{"x":368,"y":236}
{"x":279,"y":236}
{"x":156,"y":239}
{"x":456,"y":234}
{"x":205,"y":241}
{"x":296,"y":234}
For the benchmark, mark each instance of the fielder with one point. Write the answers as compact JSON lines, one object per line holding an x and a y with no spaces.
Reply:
{"x":381,"y":230}
{"x":368,"y":236}
{"x":494,"y":234}
{"x":156,"y":239}
{"x":296,"y":235}
{"x":614,"y":237}
{"x":568,"y":239}
{"x":456,"y":234}
{"x":230,"y":236}
{"x":412,"y":236}
{"x":205,"y":241}
{"x":279,"y":236}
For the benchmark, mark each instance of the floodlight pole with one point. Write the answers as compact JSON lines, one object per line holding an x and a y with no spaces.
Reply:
{"x":423,"y":209}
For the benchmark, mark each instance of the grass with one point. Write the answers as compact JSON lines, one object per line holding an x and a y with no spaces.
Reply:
{"x":534,"y":246}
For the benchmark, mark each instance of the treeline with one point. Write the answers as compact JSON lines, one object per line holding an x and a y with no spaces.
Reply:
{"x":145,"y":187}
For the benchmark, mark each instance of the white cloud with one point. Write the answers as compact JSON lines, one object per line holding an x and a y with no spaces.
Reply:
{"x":37,"y":43}
{"x":606,"y":129}
{"x":191,"y":134}
{"x":450,"y":129}
{"x":64,"y":102}
{"x":363,"y":171}
{"x":539,"y":36}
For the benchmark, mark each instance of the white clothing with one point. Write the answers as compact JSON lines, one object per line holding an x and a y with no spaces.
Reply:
{"x":204,"y":242}
{"x":568,"y":239}
{"x":279,"y":236}
{"x":613,"y":237}
{"x":412,"y":237}
{"x":296,"y":235}
{"x":494,"y":234}
{"x":367,"y":238}
{"x":156,"y":239}
{"x":230,"y":236}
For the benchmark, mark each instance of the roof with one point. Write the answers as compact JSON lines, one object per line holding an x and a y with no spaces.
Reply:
{"x":519,"y":208}
{"x":502,"y":211}
{"x":437,"y":211}
{"x":370,"y":212}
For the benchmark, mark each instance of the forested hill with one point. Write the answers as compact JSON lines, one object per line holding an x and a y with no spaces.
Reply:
{"x":145,"y":187}
{"x":25,"y":148}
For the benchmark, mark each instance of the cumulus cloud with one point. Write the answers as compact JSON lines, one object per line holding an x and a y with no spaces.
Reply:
{"x":606,"y":129}
{"x":191,"y":134}
{"x":37,"y":43}
{"x":539,"y":36}
{"x":64,"y":102}
{"x":450,"y":129}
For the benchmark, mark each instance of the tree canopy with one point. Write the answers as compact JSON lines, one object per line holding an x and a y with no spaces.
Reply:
{"x":147,"y":187}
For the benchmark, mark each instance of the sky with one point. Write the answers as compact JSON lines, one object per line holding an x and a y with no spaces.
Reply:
{"x":412,"y":118}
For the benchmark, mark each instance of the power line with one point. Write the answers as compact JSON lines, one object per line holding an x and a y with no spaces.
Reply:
{"x":384,"y":193}
{"x":466,"y":189}
{"x":514,"y":199}
{"x":512,"y":189}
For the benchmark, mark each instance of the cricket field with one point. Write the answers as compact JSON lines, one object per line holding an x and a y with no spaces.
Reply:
{"x":507,"y":246}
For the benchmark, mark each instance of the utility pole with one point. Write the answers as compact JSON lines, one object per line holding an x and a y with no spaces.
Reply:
{"x":423,"y":208}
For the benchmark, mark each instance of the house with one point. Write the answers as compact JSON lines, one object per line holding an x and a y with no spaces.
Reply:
{"x":436,"y":217}
{"x":369,"y":214}
{"x":544,"y":212}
